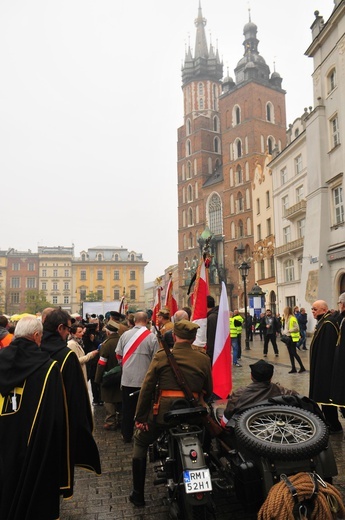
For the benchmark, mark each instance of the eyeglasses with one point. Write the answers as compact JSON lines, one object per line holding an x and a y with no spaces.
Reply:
{"x":67,"y":327}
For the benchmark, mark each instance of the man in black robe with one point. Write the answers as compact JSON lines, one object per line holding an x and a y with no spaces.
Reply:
{"x":338,"y":379}
{"x":322,"y":352}
{"x":33,"y":429}
{"x":83,"y":448}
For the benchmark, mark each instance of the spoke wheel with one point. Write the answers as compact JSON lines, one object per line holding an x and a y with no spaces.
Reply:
{"x":281,"y":432}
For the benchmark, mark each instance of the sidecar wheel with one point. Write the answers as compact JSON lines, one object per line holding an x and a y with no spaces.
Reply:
{"x":281,"y":432}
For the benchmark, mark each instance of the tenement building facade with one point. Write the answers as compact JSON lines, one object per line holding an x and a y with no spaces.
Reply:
{"x":55,"y":275}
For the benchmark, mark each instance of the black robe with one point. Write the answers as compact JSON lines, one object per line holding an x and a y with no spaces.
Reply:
{"x":83,"y":448}
{"x":322,"y":352}
{"x":33,"y":434}
{"x":338,"y":376}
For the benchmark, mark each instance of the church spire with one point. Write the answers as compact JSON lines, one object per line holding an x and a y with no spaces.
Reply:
{"x":200,"y":39}
{"x":206,"y":63}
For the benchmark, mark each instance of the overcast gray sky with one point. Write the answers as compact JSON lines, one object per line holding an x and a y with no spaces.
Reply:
{"x":90,"y":103}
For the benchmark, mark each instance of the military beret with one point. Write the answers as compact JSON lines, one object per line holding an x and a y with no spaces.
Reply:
{"x":185,"y":329}
{"x":261,"y":370}
{"x":112,"y":326}
{"x":164,"y":312}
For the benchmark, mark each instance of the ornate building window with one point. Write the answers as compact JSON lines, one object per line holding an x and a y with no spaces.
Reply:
{"x":188,"y":148}
{"x":189,"y":193}
{"x":190,"y":241}
{"x":239,"y":175}
{"x":189,"y":127}
{"x":270,"y":144}
{"x":216,"y":145}
{"x":240,"y":202}
{"x":240,"y":229}
{"x":269,"y":112}
{"x":190,"y":217}
{"x":331,"y":81}
{"x":289,"y":271}
{"x":338,"y":205}
{"x":236,"y":115}
{"x":238,"y":148}
{"x":334,"y":128}
{"x":216,"y":124}
{"x":215,"y":214}
{"x":189,"y":170}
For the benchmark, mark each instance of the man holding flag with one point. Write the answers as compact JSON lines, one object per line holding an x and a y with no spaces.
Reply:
{"x":199,"y":313}
{"x":170,"y":301}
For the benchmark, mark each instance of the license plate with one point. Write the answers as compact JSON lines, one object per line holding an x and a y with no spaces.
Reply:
{"x":198,"y":480}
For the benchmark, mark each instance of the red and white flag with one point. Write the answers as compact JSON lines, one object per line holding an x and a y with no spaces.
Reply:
{"x":123,"y":307}
{"x":222,"y":365}
{"x":199,"y":313}
{"x":170,"y":302}
{"x":157,"y":306}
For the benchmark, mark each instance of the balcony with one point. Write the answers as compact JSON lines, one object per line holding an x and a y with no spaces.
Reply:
{"x":297,"y":210}
{"x":295,"y":245}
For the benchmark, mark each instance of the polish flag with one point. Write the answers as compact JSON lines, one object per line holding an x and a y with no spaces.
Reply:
{"x":170,"y":302}
{"x":199,"y":313}
{"x":222,"y":365}
{"x":157,"y":306}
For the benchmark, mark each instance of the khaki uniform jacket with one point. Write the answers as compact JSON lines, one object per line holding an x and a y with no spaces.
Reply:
{"x":196,"y":368}
{"x":107,"y":352}
{"x":167,"y":326}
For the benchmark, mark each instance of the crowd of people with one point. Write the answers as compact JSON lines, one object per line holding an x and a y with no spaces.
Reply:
{"x":48,"y":365}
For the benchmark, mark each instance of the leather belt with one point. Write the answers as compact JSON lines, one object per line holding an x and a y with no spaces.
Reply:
{"x":176,"y":393}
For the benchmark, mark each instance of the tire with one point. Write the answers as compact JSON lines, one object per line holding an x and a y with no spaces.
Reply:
{"x":195,"y":512}
{"x":281,"y":432}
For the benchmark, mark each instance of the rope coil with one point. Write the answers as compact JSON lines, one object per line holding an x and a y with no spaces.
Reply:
{"x":280,"y":504}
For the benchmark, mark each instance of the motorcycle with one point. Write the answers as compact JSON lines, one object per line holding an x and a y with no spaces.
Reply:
{"x":284,"y":435}
{"x":183,"y":466}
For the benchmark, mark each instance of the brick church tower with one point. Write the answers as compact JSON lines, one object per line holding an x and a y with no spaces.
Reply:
{"x":199,"y":154}
{"x":230,"y":127}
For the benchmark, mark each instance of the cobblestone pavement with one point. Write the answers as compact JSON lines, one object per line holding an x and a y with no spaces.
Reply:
{"x":106,"y":497}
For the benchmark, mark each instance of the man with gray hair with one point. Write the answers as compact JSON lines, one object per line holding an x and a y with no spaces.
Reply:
{"x":34,"y":449}
{"x":322,"y":354}
{"x":134,"y":352}
{"x":168,"y":336}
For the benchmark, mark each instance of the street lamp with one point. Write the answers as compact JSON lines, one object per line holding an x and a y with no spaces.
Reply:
{"x":244,"y":268}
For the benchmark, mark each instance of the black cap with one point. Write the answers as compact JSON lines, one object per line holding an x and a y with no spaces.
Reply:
{"x":261,"y":370}
{"x":117,"y":316}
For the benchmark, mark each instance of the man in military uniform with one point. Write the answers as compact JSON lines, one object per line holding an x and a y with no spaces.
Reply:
{"x":164,"y":321}
{"x":110,"y":395}
{"x":196,"y":368}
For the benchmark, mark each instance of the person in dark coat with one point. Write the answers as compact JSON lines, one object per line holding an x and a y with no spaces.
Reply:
{"x":196,"y":368}
{"x":302,"y":319}
{"x":322,"y":355}
{"x":270,"y":328}
{"x":212,"y":317}
{"x":33,"y":429}
{"x":110,"y":395}
{"x":260,"y":389}
{"x":83,"y":448}
{"x":338,"y":379}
